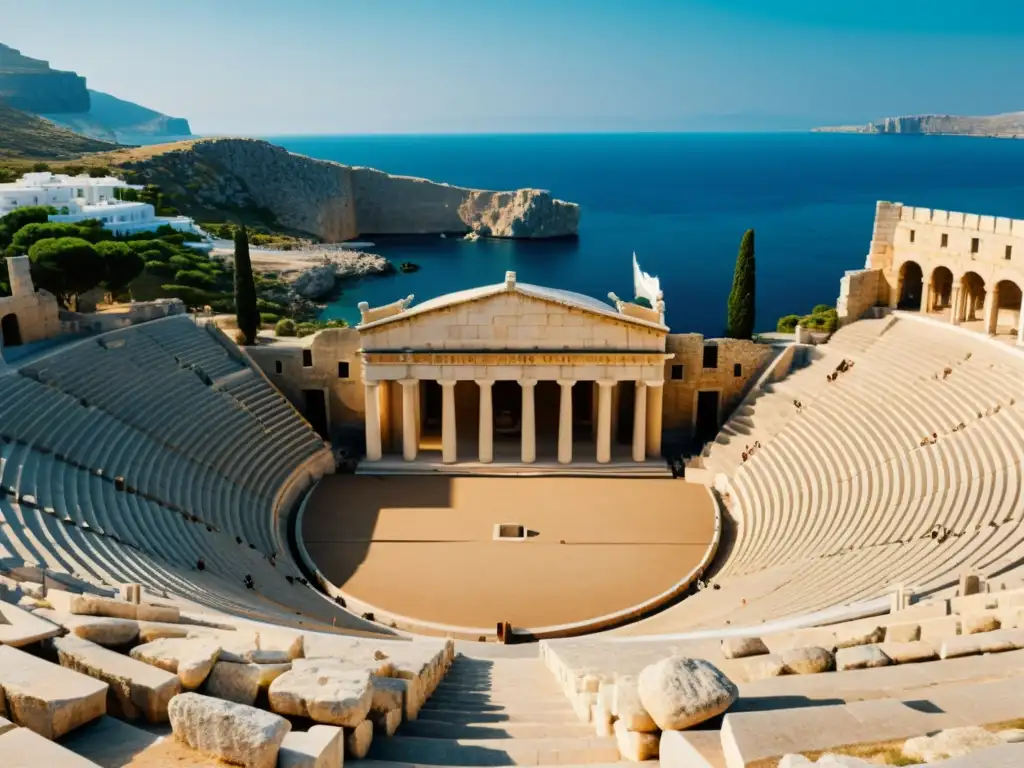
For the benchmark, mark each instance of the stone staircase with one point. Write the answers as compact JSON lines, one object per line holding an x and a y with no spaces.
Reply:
{"x":494,"y":712}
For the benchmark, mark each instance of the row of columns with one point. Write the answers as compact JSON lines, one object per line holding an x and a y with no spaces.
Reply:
{"x":962,"y":306}
{"x":647,"y":415}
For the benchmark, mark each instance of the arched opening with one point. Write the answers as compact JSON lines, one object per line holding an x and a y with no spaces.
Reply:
{"x":10,"y":330}
{"x":911,"y":284}
{"x":1004,"y":317}
{"x":972,"y":297}
{"x":941,"y":289}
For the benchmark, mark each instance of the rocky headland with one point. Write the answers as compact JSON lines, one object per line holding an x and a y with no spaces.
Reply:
{"x":226,"y":179}
{"x":1009,"y":125}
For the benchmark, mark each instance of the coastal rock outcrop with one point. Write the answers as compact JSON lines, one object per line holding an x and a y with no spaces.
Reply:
{"x":32,"y":86}
{"x":337,"y":202}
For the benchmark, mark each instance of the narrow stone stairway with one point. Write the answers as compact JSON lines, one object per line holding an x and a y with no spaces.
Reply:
{"x":494,"y":712}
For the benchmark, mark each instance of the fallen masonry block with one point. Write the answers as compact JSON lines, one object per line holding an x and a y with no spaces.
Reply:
{"x":19,"y":627}
{"x":227,"y":731}
{"x":741,"y":647}
{"x":358,"y":740}
{"x":239,"y":683}
{"x":22,"y":748}
{"x":861,"y":657}
{"x":332,"y":695}
{"x":386,"y":722}
{"x":45,"y":697}
{"x":322,"y":746}
{"x":190,"y":659}
{"x":135,"y":689}
{"x":636,"y":746}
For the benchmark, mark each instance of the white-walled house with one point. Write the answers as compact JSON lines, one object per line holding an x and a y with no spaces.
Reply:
{"x":78,"y":198}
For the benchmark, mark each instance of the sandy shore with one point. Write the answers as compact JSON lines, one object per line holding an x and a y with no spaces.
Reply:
{"x":348,"y":261}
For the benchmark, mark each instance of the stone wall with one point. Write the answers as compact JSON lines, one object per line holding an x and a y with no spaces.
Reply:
{"x":336,"y":202}
{"x":345,"y":403}
{"x":990,"y":246}
{"x":687,"y":349}
{"x":859,"y":290}
{"x":38,"y":316}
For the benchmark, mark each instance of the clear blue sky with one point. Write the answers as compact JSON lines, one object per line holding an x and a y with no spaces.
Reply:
{"x":427,"y":66}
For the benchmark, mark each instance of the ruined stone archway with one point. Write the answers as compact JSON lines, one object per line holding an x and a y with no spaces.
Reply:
{"x":972,"y":297}
{"x":941,"y":296}
{"x":1004,"y":316}
{"x":911,"y":284}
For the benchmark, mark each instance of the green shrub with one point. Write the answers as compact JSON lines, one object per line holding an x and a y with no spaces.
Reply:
{"x":285,"y":327}
{"x":269,"y":318}
{"x":194,"y":278}
{"x":820,"y":309}
{"x":642,"y":301}
{"x":306,"y":329}
{"x":787,"y":324}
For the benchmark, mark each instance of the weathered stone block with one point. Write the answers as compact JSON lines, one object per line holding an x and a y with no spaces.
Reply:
{"x":679,"y":692}
{"x":852,"y":639}
{"x":807,"y":661}
{"x":861,"y":657}
{"x":21,"y":748}
{"x":902,"y":633}
{"x":191,"y":659}
{"x":93,"y":605}
{"x":47,"y":698}
{"x":979,"y":622}
{"x":239,"y":683}
{"x":227,"y":731}
{"x":636,"y":746}
{"x":162,"y":613}
{"x":18,"y":627}
{"x":741,"y":647}
{"x":270,"y":672}
{"x":761,"y":667}
{"x":952,"y":742}
{"x":322,"y":746}
{"x":909,"y":652}
{"x":332,"y":695}
{"x":358,"y":740}
{"x":136,"y":689}
{"x":386,"y":722}
{"x":626,"y":705}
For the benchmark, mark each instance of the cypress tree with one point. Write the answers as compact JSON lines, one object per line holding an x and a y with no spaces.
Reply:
{"x":246,"y":310}
{"x":741,"y":299}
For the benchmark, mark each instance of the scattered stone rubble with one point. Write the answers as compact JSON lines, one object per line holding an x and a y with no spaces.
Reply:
{"x":145,"y":662}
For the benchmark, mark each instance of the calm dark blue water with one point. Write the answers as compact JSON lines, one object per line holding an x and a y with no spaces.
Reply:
{"x":682,"y":202}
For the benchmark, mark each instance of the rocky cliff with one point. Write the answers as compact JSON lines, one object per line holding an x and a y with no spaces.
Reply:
{"x":334,"y":202}
{"x":31,"y":86}
{"x":112,"y":119}
{"x":26,"y":136}
{"x":1009,"y":125}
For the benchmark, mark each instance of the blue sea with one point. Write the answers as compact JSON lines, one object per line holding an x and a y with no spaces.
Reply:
{"x":682,"y":203}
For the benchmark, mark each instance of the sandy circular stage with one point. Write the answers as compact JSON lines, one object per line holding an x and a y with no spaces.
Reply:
{"x":422,"y":546}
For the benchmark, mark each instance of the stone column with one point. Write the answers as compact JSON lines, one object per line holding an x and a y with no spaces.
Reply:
{"x":1020,"y":327}
{"x":926,"y":298}
{"x":410,"y":441}
{"x":449,"y":437}
{"x":373,"y":446}
{"x":954,"y":305}
{"x":655,"y":401}
{"x":604,"y":421}
{"x":529,"y":422}
{"x":992,"y":310}
{"x":640,"y":421}
{"x":486,"y":438}
{"x":565,"y":422}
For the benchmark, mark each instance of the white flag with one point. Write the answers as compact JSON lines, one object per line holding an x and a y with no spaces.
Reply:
{"x":644,"y":285}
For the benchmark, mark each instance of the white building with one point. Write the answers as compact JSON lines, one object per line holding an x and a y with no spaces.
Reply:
{"x":78,"y":198}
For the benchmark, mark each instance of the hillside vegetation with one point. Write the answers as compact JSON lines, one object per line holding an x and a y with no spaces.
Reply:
{"x":25,"y":136}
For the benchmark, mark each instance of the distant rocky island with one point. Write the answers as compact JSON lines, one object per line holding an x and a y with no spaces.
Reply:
{"x":225,"y":179}
{"x":1006,"y":126}
{"x":33,"y":87}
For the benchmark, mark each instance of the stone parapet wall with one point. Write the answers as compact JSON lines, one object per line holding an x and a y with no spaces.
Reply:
{"x":859,"y":290}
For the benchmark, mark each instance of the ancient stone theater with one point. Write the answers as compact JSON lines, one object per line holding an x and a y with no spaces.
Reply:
{"x":515,"y":525}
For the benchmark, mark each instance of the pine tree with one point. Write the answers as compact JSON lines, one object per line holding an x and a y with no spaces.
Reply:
{"x":741,"y":298}
{"x":246,"y":310}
